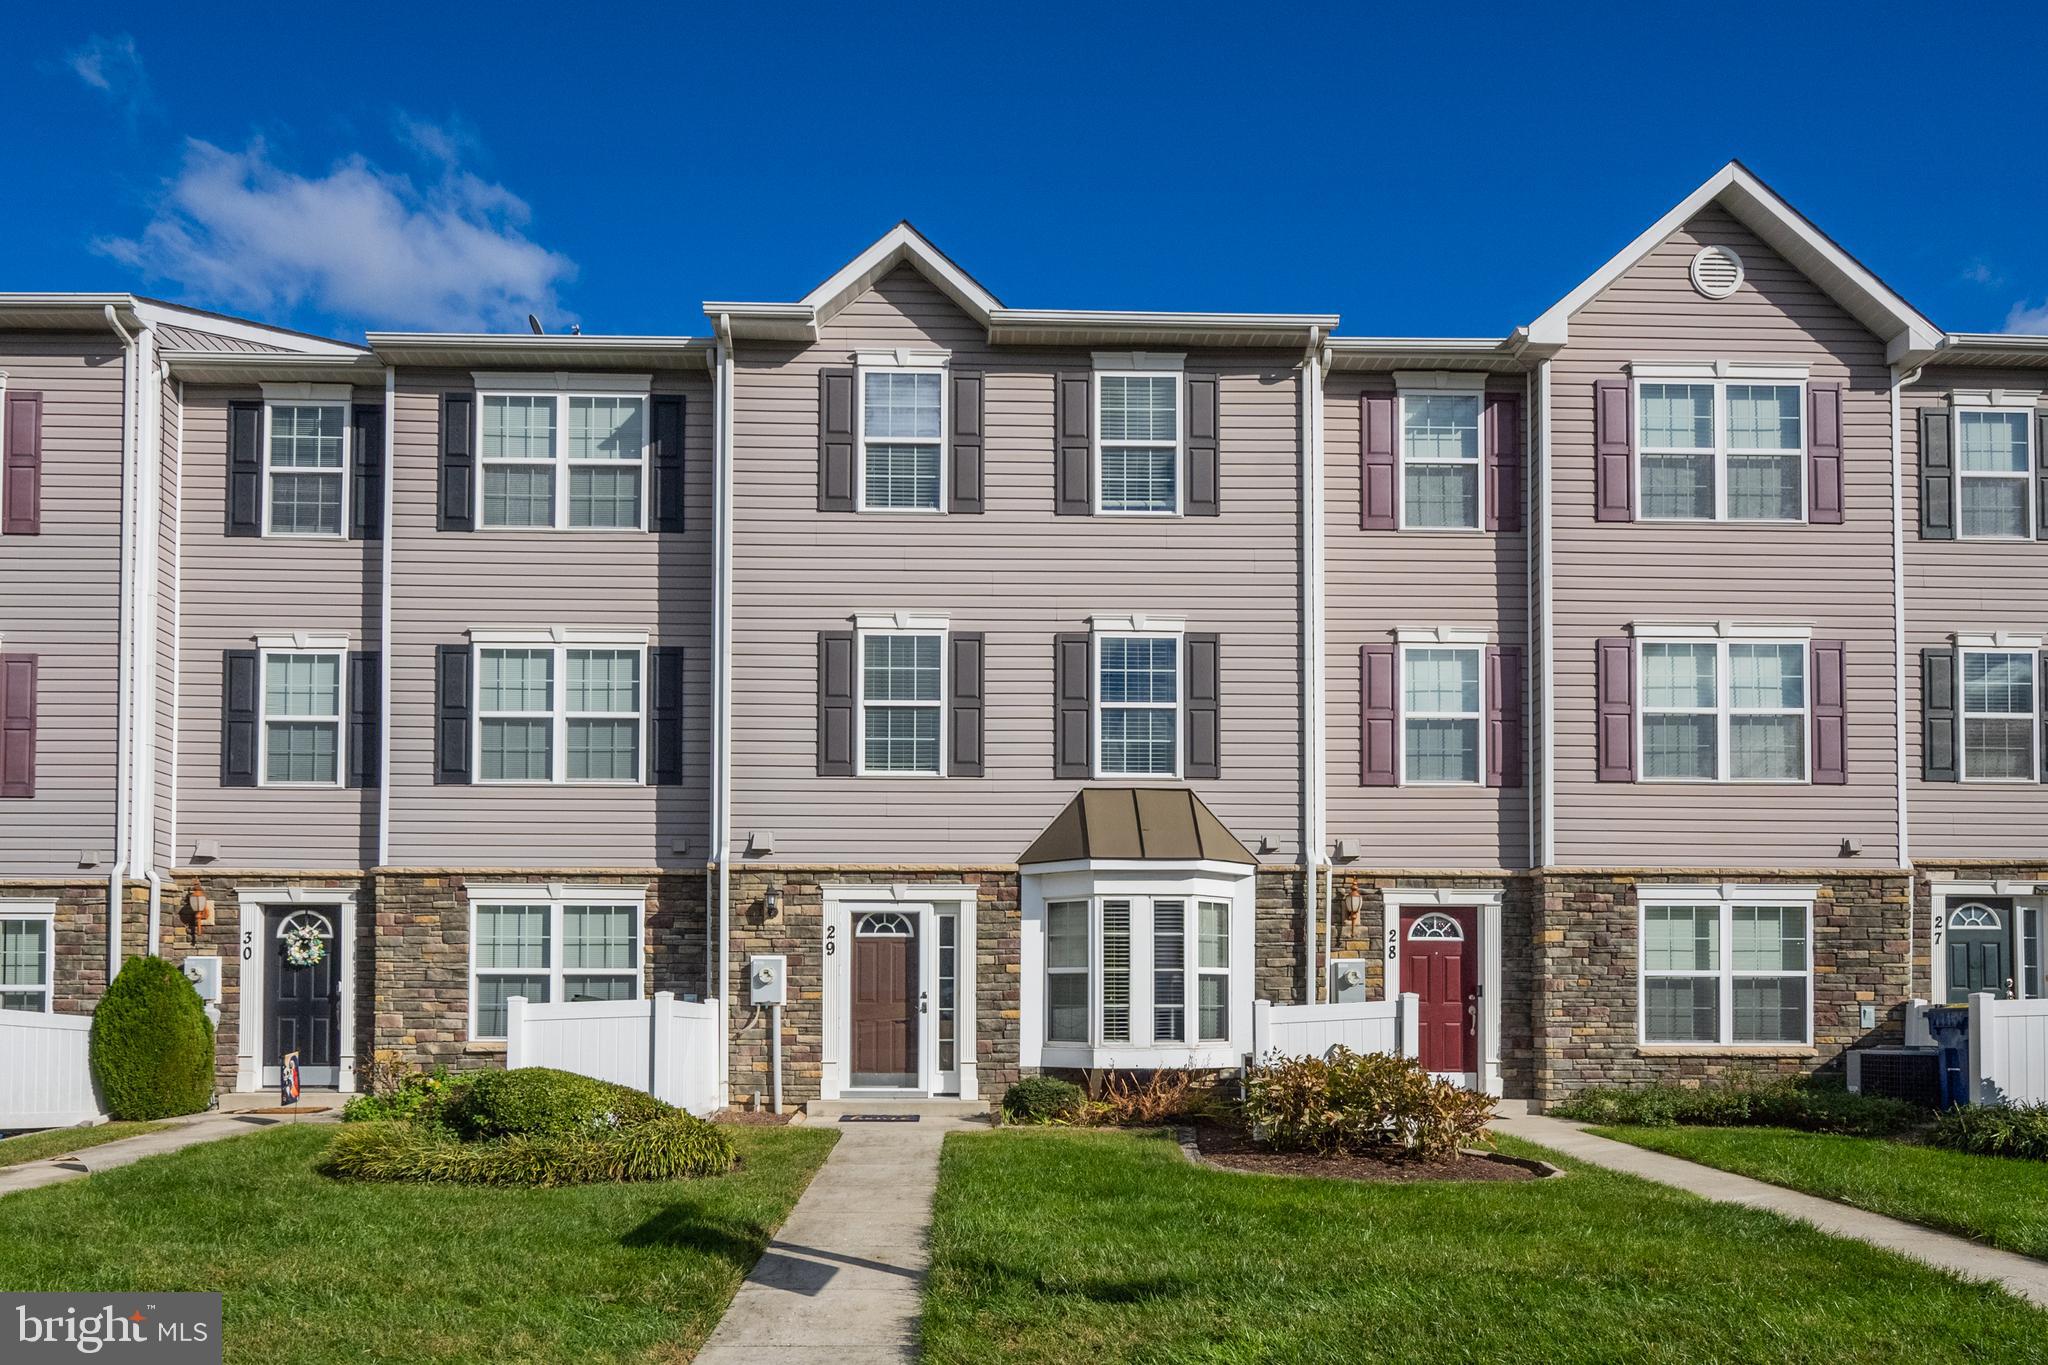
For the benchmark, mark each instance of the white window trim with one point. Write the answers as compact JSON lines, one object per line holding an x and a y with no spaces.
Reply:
{"x":317,"y":396}
{"x":1431,"y":384}
{"x":556,"y":897}
{"x":1477,"y":649}
{"x":1178,"y":444}
{"x":1963,"y":713}
{"x":269,"y":647}
{"x":558,"y":713}
{"x":1997,"y":402}
{"x":1723,"y":709}
{"x":565,"y":388}
{"x":1727,"y":897}
{"x":1719,"y":377}
{"x":1141,"y":628}
{"x":43,"y":912}
{"x":900,"y":363}
{"x":867,"y":628}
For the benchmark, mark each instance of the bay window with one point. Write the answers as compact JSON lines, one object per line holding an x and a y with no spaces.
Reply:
{"x":1723,"y":710}
{"x":2000,"y":715}
{"x":555,"y":713}
{"x":1726,"y":969}
{"x":563,"y":461}
{"x":1118,"y":970}
{"x":1995,"y":472}
{"x":527,"y":942}
{"x":1721,"y":450}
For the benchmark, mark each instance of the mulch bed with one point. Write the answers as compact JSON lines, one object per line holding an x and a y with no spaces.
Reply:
{"x":753,"y":1118}
{"x":1228,"y":1147}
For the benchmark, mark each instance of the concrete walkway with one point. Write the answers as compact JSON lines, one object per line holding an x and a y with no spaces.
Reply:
{"x":843,"y":1280}
{"x":2021,"y":1275}
{"x":185,"y":1132}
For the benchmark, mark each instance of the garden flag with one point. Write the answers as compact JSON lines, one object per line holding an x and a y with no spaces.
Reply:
{"x":288,"y":1076}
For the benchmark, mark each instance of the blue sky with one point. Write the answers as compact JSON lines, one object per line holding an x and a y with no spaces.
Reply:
{"x":1424,"y":171}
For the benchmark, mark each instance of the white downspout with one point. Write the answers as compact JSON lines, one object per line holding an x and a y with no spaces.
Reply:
{"x":384,"y":591}
{"x":1899,"y":624}
{"x":721,"y":802}
{"x":1547,"y":854}
{"x":1312,"y":595}
{"x":123,"y":667}
{"x":146,"y":783}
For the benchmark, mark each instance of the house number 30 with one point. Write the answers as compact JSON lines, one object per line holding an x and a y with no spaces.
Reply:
{"x":248,"y":944}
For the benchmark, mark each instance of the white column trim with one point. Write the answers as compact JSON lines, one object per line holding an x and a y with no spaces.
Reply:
{"x":251,"y":903}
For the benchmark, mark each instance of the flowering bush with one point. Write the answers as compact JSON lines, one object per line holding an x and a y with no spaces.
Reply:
{"x":1361,"y":1103}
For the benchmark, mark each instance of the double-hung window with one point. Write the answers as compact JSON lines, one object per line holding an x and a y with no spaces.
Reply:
{"x":902,"y":437}
{"x":1139,"y":697}
{"x":1721,"y":449}
{"x":1441,"y":729}
{"x":902,"y":690}
{"x":1440,"y":460}
{"x":1995,"y":472}
{"x":1723,"y":710}
{"x":2000,"y":715}
{"x":305,"y":463}
{"x":1138,"y":430}
{"x":301,"y":722}
{"x":526,"y":942}
{"x":563,"y":461}
{"x":556,"y":713}
{"x":1726,"y":970}
{"x":1138,"y":971}
{"x":25,"y":954}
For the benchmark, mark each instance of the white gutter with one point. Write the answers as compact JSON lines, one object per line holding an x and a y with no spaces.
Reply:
{"x":146,"y":792}
{"x":1312,"y":644}
{"x":1547,"y":853}
{"x":177,"y":647}
{"x":123,"y":667}
{"x":721,"y":748}
{"x":384,"y":621}
{"x":1529,"y":543}
{"x":1899,"y":629}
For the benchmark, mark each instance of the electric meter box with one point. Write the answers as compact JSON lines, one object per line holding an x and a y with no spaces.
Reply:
{"x":768,"y":979}
{"x":1347,"y":981}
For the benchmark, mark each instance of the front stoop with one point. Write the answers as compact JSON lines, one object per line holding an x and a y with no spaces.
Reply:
{"x":828,"y":1111}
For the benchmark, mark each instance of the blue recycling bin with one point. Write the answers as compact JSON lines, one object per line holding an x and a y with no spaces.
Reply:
{"x":1950,"y":1025}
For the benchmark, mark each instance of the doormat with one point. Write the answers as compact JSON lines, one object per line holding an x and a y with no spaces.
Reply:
{"x":880,"y":1118}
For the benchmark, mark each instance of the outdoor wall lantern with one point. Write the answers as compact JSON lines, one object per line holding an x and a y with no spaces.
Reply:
{"x":771,"y":904}
{"x":1354,"y":906}
{"x":198,"y":908}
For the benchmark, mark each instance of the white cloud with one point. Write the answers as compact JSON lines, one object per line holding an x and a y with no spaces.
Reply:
{"x":357,"y":243}
{"x":1977,"y":272}
{"x":112,"y":66}
{"x":2029,"y":320}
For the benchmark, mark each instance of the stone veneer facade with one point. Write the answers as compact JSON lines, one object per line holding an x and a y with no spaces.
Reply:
{"x":1926,"y":877}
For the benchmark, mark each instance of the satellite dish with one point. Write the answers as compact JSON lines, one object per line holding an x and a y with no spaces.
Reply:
{"x":533,"y":322}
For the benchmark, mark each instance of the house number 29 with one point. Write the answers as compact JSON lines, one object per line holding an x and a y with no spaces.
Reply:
{"x":831,"y":939}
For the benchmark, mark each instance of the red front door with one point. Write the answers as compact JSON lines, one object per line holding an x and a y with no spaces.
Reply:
{"x":1440,"y":964}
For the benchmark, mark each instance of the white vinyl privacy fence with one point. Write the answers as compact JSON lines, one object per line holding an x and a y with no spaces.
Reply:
{"x":664,"y":1046}
{"x":2008,"y":1051}
{"x":1312,"y":1030}
{"x":45,"y":1072}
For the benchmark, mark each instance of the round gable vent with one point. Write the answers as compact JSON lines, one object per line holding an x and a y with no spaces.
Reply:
{"x":1716,"y":272}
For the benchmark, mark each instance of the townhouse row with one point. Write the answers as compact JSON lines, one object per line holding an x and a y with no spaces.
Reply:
{"x":1653,"y":690}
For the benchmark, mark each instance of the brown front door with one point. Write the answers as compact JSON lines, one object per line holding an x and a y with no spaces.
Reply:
{"x":884,"y":1007}
{"x":1440,"y":964}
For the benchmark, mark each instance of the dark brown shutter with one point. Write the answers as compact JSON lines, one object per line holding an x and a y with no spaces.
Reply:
{"x":1073,"y":402}
{"x":2041,"y":479}
{"x":1615,"y":709}
{"x":1938,"y":756}
{"x":1205,"y":707}
{"x":365,"y":683}
{"x":21,"y":466}
{"x":1379,"y":457}
{"x":17,"y":726}
{"x":245,"y":469}
{"x":1614,"y":462}
{"x":458,"y":467}
{"x":1504,"y":716}
{"x":836,"y":718}
{"x":366,"y":473}
{"x":452,"y":757}
{"x":1379,"y":715}
{"x":665,"y":716}
{"x":1830,"y":712}
{"x":1503,"y":433}
{"x":1073,"y":685}
{"x":1937,"y":483}
{"x":837,"y":491}
{"x":969,"y":419}
{"x":1204,"y":494}
{"x":2040,"y":681}
{"x":665,"y":469}
{"x":240,"y":692}
{"x":966,"y":704}
{"x":1824,"y":454}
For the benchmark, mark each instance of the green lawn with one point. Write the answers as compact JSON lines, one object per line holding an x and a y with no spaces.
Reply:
{"x":63,"y":1141}
{"x":1096,"y":1247}
{"x":318,"y":1270}
{"x":1998,"y":1200}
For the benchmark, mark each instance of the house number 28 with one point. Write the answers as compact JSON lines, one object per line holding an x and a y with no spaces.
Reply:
{"x":1393,"y":943}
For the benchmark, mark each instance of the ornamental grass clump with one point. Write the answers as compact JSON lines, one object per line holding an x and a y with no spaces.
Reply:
{"x":1361,"y":1104}
{"x":2011,"y":1130}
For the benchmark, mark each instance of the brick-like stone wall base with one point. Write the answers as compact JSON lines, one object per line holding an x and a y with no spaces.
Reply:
{"x":78,"y":959}
{"x":1925,"y":884}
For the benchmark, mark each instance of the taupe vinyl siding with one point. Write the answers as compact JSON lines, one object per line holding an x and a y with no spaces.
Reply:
{"x":446,"y":583}
{"x":1837,"y":579}
{"x":1017,"y":573}
{"x":1967,"y":586}
{"x":60,"y":598}
{"x":167,"y":583}
{"x":1375,"y":581}
{"x":236,"y":589}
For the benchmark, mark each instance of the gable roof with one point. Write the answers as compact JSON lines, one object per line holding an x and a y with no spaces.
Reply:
{"x":900,"y":245}
{"x":1136,"y":823}
{"x":1907,"y":333}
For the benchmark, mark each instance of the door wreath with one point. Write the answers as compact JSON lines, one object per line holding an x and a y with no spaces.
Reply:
{"x":304,"y":946}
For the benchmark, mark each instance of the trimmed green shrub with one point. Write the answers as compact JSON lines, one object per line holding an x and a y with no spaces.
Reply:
{"x":152,"y":1045}
{"x":2014,"y":1130}
{"x":1043,"y":1099}
{"x":675,"y":1146}
{"x":538,"y":1101}
{"x":1812,"y":1104}
{"x":419,"y":1097}
{"x":1361,"y":1103}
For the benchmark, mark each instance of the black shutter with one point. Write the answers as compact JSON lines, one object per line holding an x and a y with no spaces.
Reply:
{"x":836,"y":489}
{"x":964,"y":491}
{"x":245,"y":469}
{"x":1937,"y":481}
{"x":1938,"y":716}
{"x":1204,"y":724}
{"x":365,"y":684}
{"x":665,"y":463}
{"x":366,"y":473}
{"x":1073,"y":685}
{"x":665,"y":716}
{"x":451,"y":716}
{"x":458,"y":466}
{"x":1073,"y":452}
{"x":835,"y":704}
{"x":1204,"y":496}
{"x":2040,"y":478}
{"x":240,"y":691}
{"x":965,"y":704}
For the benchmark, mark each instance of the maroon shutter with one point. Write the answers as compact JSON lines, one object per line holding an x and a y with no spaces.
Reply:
{"x":1502,"y":431}
{"x":1504,"y":716}
{"x":18,"y":725}
{"x":1614,"y":463}
{"x":1378,"y":463}
{"x":1379,"y":713}
{"x":1615,"y":707}
{"x":21,"y":468}
{"x":1824,"y":455}
{"x":1830,"y":713}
